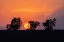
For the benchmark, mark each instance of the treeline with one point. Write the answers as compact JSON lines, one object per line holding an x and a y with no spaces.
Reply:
{"x":16,"y":23}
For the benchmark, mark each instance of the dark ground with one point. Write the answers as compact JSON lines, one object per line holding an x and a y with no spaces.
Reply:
{"x":32,"y":36}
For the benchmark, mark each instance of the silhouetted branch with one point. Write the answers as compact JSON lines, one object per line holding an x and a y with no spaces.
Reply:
{"x":34,"y":24}
{"x":16,"y":23}
{"x":49,"y":24}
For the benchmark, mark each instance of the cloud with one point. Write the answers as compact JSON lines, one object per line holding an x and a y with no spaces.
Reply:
{"x":28,"y":9}
{"x":59,"y":15}
{"x":2,"y":28}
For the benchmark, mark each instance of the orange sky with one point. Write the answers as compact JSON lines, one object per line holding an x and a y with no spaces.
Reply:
{"x":27,"y":9}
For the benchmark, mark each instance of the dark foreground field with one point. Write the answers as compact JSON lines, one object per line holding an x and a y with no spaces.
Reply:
{"x":32,"y":36}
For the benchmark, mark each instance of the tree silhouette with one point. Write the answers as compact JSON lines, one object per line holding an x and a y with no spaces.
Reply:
{"x":49,"y":24}
{"x":16,"y":23}
{"x":33,"y":25}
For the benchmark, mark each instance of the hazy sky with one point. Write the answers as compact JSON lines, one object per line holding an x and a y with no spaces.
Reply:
{"x":32,"y":10}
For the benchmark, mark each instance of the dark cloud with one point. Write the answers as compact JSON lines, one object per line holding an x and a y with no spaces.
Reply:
{"x":59,"y":15}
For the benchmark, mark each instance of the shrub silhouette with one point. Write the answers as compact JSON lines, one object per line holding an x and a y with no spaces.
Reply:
{"x":33,"y":25}
{"x":49,"y":24}
{"x":16,"y":23}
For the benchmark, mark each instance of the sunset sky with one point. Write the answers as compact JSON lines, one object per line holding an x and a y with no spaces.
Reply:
{"x":32,"y":10}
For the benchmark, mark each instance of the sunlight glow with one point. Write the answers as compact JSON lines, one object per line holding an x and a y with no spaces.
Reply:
{"x":27,"y":26}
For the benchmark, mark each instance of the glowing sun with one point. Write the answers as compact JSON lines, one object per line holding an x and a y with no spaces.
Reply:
{"x":27,"y":26}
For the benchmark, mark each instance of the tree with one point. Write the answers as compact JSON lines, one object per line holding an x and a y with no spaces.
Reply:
{"x":49,"y":24}
{"x":16,"y":23}
{"x":33,"y":24}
